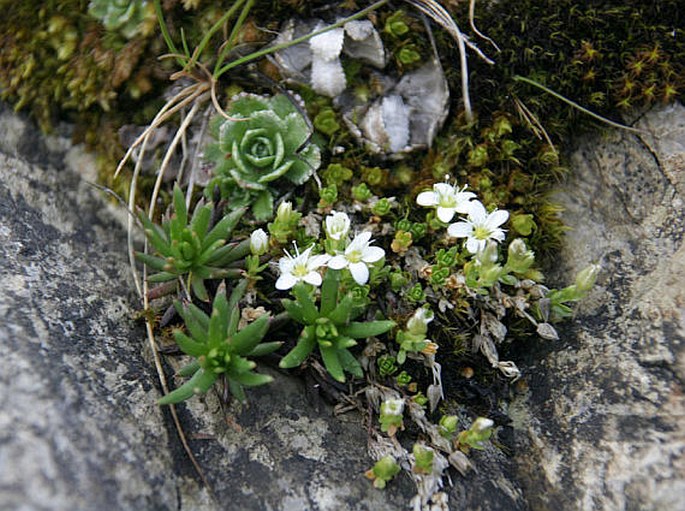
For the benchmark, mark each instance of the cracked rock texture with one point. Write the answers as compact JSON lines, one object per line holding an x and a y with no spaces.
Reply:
{"x":603,"y":423}
{"x":79,"y":425}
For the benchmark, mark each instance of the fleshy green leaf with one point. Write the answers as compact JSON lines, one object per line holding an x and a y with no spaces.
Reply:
{"x":188,"y":345}
{"x":342,"y":313}
{"x":264,"y":349}
{"x":245,"y":340}
{"x":198,"y":384}
{"x":329,"y":291}
{"x":309,"y":310}
{"x":332,"y":363}
{"x":350,"y":363}
{"x":156,"y":263}
{"x":223,"y":228}
{"x":359,"y":330}
{"x":294,"y":311}
{"x":189,"y":369}
{"x":305,"y":345}
{"x":253,"y":379}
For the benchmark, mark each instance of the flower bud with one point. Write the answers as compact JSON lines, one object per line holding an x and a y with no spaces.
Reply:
{"x":284,"y":211}
{"x":259,"y":242}
{"x":481,"y":424}
{"x":586,"y":278}
{"x":337,"y":225}
{"x":392,"y":407}
{"x":418,"y":323}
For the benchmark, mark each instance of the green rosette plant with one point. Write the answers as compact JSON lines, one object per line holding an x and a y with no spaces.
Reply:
{"x":220,"y":349}
{"x":330,"y":327}
{"x":265,"y":139}
{"x":187,"y":247}
{"x":123,"y":16}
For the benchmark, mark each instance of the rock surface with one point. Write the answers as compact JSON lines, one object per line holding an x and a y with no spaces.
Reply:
{"x":599,"y":427}
{"x":603,"y":424}
{"x":79,"y":423}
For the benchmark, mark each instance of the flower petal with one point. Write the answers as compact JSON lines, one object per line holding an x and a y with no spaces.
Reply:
{"x":372,"y":254}
{"x":497,"y":218}
{"x":337,"y":262}
{"x":474,"y":245}
{"x":313,"y":278}
{"x":317,"y":260}
{"x":445,"y":214}
{"x":477,"y":213}
{"x":427,"y":199}
{"x":360,"y":273}
{"x":460,"y":230}
{"x":286,"y":281}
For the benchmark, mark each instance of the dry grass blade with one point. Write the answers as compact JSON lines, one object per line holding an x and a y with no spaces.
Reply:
{"x":170,"y":108}
{"x":533,"y":122}
{"x":472,"y":15}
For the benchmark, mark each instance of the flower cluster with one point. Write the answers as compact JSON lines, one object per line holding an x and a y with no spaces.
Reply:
{"x":357,"y":256}
{"x":477,"y":227}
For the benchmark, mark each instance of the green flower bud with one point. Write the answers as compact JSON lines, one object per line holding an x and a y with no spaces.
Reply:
{"x":523,"y":224}
{"x":409,"y":55}
{"x":448,"y":425}
{"x":361,"y":192}
{"x":381,"y":207}
{"x":326,"y":122}
{"x":336,"y":174}
{"x":587,"y":278}
{"x":398,"y":280}
{"x":395,"y":25}
{"x":519,"y":258}
{"x":259,"y":242}
{"x":387,"y":365}
{"x":328,"y":195}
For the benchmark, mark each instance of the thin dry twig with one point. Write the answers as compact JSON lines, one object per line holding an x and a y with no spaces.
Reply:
{"x":472,"y":14}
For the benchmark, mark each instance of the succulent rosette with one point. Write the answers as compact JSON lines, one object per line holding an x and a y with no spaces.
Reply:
{"x":265,"y":140}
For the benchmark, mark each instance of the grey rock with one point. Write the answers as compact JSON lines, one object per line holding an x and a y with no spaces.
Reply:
{"x":602,"y":426}
{"x":79,"y":425}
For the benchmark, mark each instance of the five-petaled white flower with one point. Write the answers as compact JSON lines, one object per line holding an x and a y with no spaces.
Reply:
{"x":337,"y":225}
{"x":479,"y":227}
{"x":301,"y":268}
{"x":357,"y":256}
{"x":447,"y":199}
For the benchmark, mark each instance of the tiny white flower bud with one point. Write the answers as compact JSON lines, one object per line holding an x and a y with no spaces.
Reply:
{"x":259,"y":242}
{"x":587,"y":277}
{"x":337,"y":225}
{"x":482,"y":424}
{"x":285,"y":209}
{"x":418,"y":323}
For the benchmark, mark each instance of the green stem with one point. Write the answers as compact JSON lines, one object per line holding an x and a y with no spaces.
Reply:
{"x":205,"y":40}
{"x":282,"y":46}
{"x":575,"y":105}
{"x":165,"y":31}
{"x":234,"y":33}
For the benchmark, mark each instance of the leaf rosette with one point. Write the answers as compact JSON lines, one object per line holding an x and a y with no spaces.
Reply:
{"x":264,"y":140}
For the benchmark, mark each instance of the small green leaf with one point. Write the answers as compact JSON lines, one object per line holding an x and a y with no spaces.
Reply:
{"x":164,"y":276}
{"x":309,"y":311}
{"x":218,"y":321}
{"x":197,"y":328}
{"x":359,"y":330}
{"x":237,"y":390}
{"x":332,"y":363}
{"x":189,"y":369}
{"x":350,"y":363}
{"x":200,"y":222}
{"x":180,"y":207}
{"x":329,"y":291}
{"x":188,"y":345}
{"x":156,"y":263}
{"x":264,"y":349}
{"x":223,"y":229}
{"x":252,"y":379}
{"x":198,"y":384}
{"x":198,"y":286}
{"x":245,"y":340}
{"x":294,"y":311}
{"x":305,"y":345}
{"x":342,"y":313}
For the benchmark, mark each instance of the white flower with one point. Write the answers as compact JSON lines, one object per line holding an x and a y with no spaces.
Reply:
{"x":479,"y":227}
{"x":301,"y":268}
{"x":337,"y":225}
{"x":358,"y":255}
{"x":259,"y":242}
{"x":447,"y":199}
{"x":392,"y":407}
